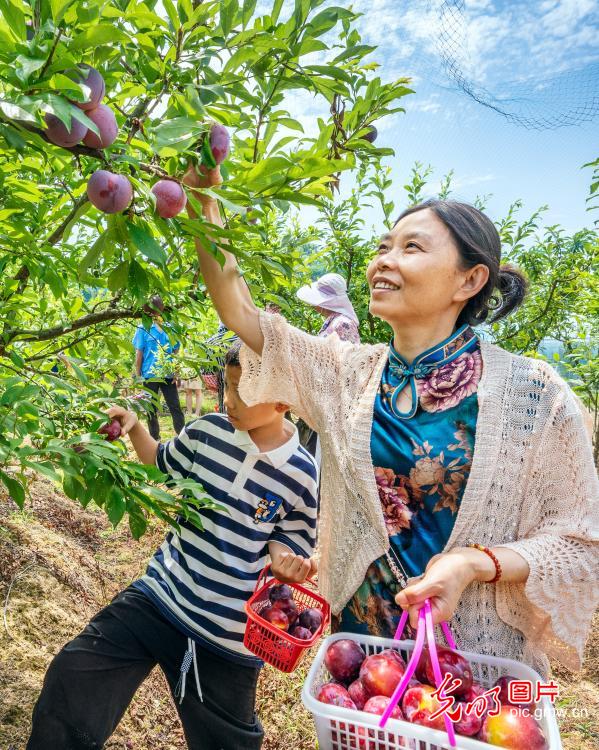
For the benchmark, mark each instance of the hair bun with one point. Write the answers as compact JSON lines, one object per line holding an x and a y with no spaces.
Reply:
{"x":512,"y":286}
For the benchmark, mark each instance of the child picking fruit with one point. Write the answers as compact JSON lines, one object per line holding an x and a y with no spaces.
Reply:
{"x":187,"y":612}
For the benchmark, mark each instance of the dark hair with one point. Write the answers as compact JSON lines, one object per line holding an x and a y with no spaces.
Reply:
{"x":478,"y":241}
{"x":154,"y":305}
{"x":232,"y":355}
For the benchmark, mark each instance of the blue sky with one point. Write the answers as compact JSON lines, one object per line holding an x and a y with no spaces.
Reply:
{"x":546,"y":49}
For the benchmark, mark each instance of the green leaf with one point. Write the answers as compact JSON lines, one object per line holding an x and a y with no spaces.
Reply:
{"x":228,"y":12}
{"x":117,"y":278}
{"x":115,"y":505}
{"x":248,"y":9}
{"x":14,"y":112}
{"x":43,"y":468}
{"x":95,"y":251}
{"x":98,"y":35}
{"x":177,"y":134}
{"x":243,"y":54}
{"x":290,"y":123}
{"x":14,"y":487}
{"x":137,"y":522}
{"x":276,"y":11}
{"x":325,"y":21}
{"x":331,"y":71}
{"x":172,"y":14}
{"x":58,"y":8}
{"x":359,"y":51}
{"x":146,"y":244}
{"x":138,"y":281}
{"x":81,"y":376}
{"x":25,"y":66}
{"x":14,"y":17}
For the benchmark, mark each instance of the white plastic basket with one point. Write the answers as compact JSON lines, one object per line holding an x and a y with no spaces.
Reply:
{"x":343,"y":729}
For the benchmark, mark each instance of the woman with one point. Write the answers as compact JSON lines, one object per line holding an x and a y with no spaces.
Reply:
{"x":193,"y":387}
{"x":489,"y":451}
{"x":328,"y":296}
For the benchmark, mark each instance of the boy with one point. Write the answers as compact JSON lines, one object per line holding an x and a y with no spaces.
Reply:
{"x":186,"y":613}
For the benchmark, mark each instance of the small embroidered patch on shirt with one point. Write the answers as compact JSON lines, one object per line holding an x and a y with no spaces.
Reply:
{"x":267,"y":507}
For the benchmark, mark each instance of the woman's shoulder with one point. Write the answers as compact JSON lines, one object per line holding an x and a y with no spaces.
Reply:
{"x":527,"y":375}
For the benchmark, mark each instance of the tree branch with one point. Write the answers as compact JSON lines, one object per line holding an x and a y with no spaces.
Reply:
{"x":44,"y":334}
{"x":51,"y":55}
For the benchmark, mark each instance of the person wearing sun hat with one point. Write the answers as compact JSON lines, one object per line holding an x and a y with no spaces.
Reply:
{"x":328,"y":295}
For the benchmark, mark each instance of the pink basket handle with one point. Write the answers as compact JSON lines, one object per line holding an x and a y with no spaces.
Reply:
{"x":425,"y":624}
{"x":444,"y":627}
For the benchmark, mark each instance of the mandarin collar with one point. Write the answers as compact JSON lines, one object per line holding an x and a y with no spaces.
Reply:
{"x":460,"y":341}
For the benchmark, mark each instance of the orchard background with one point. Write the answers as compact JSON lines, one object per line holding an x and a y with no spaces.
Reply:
{"x":74,"y":281}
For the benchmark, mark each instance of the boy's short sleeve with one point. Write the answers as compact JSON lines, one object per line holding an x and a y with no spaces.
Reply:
{"x":297,"y":528}
{"x":176,"y":456}
{"x":139,"y":340}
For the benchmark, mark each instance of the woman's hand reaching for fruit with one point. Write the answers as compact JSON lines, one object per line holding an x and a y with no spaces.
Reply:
{"x":202,"y":177}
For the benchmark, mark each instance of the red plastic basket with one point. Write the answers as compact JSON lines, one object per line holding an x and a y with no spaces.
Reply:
{"x":269,"y":643}
{"x":210,"y":381}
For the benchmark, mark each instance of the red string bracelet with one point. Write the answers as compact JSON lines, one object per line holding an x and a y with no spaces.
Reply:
{"x":496,"y":562}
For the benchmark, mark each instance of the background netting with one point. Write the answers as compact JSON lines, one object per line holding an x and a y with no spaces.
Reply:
{"x":537,"y":101}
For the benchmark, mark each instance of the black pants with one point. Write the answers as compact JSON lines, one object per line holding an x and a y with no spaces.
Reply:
{"x":171,"y":396}
{"x":90,"y":683}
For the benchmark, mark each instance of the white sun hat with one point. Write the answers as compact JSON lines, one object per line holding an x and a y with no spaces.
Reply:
{"x":330,"y":293}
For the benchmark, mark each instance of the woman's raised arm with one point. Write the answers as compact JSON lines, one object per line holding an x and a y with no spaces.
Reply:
{"x":226,"y":286}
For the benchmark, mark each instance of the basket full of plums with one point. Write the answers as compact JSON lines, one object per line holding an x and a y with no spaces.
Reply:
{"x":284,"y":621}
{"x":371,"y":693}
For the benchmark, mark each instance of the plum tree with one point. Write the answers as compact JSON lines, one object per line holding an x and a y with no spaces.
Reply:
{"x":109,"y":192}
{"x":76,"y":279}
{"x":104,"y":118}
{"x":94,"y":81}
{"x":60,"y":135}
{"x":170,"y":198}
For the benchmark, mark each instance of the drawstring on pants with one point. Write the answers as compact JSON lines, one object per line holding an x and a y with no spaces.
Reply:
{"x":189,"y":658}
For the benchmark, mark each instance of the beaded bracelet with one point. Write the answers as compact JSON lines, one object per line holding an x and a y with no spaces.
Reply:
{"x":496,"y":562}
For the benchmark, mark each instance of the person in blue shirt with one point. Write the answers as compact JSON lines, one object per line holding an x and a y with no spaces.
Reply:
{"x":148,"y":345}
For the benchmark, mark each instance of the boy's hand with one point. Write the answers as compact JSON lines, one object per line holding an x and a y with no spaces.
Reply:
{"x":128,"y":419}
{"x":290,"y":568}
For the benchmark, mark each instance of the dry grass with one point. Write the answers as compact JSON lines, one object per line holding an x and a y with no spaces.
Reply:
{"x":70,"y":562}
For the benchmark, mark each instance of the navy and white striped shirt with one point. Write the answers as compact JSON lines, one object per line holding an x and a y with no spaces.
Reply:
{"x":200,"y":580}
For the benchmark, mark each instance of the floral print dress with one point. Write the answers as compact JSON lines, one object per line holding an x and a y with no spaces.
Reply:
{"x":422,"y":460}
{"x":344,"y":327}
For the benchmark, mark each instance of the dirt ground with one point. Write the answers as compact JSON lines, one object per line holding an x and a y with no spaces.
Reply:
{"x":63,"y":563}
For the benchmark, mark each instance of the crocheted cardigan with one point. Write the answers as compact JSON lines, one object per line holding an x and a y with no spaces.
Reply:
{"x":532,"y":487}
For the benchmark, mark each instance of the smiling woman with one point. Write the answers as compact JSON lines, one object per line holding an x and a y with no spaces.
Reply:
{"x":451,"y":469}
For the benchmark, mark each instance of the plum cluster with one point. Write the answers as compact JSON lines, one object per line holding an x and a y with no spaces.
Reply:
{"x":100,"y":114}
{"x":110,"y":192}
{"x":366,"y":683}
{"x":284,"y":614}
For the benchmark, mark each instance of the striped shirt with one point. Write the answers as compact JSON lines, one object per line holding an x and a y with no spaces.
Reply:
{"x":200,"y":580}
